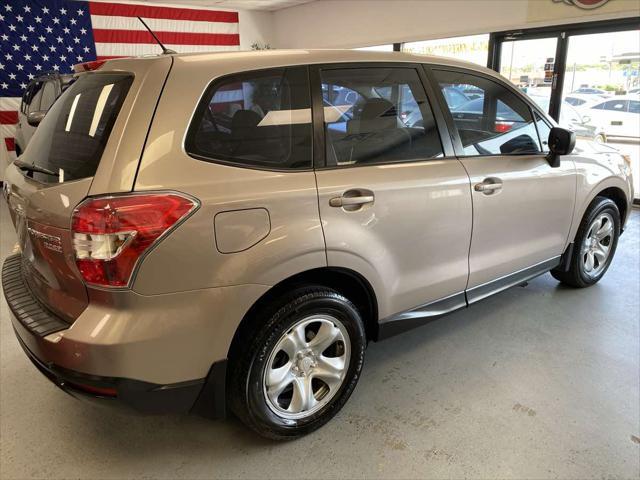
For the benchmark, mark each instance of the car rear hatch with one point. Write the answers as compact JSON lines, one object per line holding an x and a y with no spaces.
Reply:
{"x":95,"y":128}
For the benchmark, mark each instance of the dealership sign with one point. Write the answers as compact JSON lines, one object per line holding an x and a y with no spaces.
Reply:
{"x":586,"y":4}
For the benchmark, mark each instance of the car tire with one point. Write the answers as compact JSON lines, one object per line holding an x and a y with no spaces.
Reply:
{"x":600,"y":138}
{"x":594,"y":246}
{"x":300,"y":340}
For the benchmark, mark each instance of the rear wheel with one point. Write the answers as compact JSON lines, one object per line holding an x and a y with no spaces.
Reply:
{"x":595,"y":245}
{"x":295,"y":366}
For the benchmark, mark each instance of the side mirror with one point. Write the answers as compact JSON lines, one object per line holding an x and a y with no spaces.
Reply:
{"x":34,"y":118}
{"x":561,"y":142}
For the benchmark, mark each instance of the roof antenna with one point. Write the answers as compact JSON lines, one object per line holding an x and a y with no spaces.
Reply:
{"x":165,"y":50}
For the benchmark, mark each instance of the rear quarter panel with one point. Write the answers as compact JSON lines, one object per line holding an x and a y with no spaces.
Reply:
{"x":189,"y":258}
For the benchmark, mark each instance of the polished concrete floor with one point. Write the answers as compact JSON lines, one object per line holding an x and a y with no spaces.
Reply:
{"x":537,"y":382}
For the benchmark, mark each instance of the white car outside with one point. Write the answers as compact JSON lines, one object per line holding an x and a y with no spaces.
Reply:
{"x":617,"y":117}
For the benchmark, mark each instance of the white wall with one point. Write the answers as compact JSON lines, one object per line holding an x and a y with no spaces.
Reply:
{"x":255,"y":26}
{"x":354,"y":23}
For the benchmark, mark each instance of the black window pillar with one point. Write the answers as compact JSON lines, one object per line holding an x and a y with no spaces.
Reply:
{"x":559,"y":69}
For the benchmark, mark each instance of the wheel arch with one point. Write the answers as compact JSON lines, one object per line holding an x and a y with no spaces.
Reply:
{"x":348,"y":282}
{"x":619,"y":198}
{"x":611,"y":189}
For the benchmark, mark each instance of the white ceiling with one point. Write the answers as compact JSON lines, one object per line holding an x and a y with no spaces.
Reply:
{"x":268,"y":5}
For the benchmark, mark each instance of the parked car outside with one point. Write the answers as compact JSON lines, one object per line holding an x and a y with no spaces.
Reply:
{"x":580,"y":100}
{"x":38,"y":97}
{"x":194,"y":236}
{"x":592,"y":91}
{"x":572,"y":119}
{"x":617,"y":117}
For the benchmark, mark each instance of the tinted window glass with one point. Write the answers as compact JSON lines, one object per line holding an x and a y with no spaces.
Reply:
{"x":377,"y":115}
{"x":260,"y":119}
{"x":48,"y":95}
{"x":454,"y":97}
{"x":615,"y":105}
{"x":71,"y":138}
{"x":634,"y":106}
{"x":34,"y":97}
{"x":29,"y":93}
{"x":576,"y":102}
{"x":493,"y":121}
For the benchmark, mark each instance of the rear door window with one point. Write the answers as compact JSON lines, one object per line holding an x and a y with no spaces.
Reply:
{"x":35,"y":94}
{"x":493,"y":121}
{"x":48,"y":95}
{"x":256,"y":119}
{"x":71,"y":138}
{"x":615,"y":105}
{"x":377,"y":115}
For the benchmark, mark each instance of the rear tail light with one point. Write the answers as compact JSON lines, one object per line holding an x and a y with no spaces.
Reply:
{"x":502,"y":127}
{"x":111,"y":234}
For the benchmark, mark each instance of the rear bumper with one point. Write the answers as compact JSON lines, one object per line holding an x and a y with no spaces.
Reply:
{"x":151,"y":354}
{"x":134,"y":395}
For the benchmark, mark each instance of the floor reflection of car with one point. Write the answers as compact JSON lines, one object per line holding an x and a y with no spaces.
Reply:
{"x":570,"y":118}
{"x":618,"y":117}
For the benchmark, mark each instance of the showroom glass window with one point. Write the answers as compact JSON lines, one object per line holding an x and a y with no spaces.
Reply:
{"x":257,"y":119}
{"x":471,"y":48}
{"x":377,"y":115}
{"x":492,"y":120}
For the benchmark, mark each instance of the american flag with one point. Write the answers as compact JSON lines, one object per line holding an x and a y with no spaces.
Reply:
{"x":40,"y":36}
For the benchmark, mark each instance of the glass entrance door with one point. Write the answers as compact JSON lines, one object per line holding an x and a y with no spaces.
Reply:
{"x":601,"y":94}
{"x":529,"y":64}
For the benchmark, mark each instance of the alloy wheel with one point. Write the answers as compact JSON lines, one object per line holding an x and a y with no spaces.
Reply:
{"x":596,"y":246}
{"x":307,"y":367}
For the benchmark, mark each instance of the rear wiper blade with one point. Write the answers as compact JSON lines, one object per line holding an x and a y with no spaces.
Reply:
{"x":34,"y":168}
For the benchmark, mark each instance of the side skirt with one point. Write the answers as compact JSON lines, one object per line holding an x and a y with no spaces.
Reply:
{"x":495,"y":286}
{"x":403,"y":321}
{"x":418,"y":316}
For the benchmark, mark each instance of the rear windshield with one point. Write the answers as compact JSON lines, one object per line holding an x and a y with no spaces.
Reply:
{"x":71,"y":138}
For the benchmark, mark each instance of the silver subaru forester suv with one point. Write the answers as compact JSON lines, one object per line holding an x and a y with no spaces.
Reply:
{"x":226,"y":232}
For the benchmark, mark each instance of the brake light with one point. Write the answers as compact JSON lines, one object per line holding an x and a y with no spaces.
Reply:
{"x":502,"y":127}
{"x":110,"y":234}
{"x":88,"y":66}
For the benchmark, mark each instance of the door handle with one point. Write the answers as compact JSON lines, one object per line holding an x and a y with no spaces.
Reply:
{"x":352,"y":198}
{"x":488,"y":186}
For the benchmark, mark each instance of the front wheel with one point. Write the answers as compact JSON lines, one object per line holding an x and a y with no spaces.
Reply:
{"x":295,"y":366}
{"x":594,"y":246}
